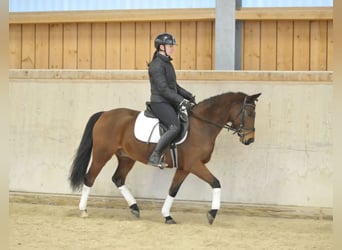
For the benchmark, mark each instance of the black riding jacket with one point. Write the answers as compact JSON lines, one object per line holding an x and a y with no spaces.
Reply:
{"x":164,"y":86}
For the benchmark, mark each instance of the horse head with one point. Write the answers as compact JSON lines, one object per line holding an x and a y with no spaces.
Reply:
{"x":232,"y":111}
{"x":242,"y":118}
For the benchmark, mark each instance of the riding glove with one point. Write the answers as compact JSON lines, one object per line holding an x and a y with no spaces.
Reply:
{"x":185,"y":105}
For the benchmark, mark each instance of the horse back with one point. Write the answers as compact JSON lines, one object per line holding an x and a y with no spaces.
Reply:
{"x":115,"y":122}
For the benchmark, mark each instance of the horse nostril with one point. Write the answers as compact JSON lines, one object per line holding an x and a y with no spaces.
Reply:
{"x":250,"y":140}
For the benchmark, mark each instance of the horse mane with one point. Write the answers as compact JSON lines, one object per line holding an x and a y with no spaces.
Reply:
{"x":236,"y":97}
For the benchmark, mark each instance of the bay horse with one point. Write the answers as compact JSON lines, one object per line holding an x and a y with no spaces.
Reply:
{"x":109,"y":133}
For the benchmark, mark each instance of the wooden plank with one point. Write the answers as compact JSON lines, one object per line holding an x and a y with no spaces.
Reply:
{"x":213,"y":47}
{"x":285,"y":45}
{"x":128,"y":45}
{"x":70,"y":46}
{"x":297,"y":13}
{"x":140,"y":15}
{"x":113,"y":46}
{"x":56,"y":46}
{"x":98,"y":46}
{"x":28,"y":46}
{"x":204,"y":45}
{"x":330,"y":53}
{"x":175,"y":29}
{"x":42,"y":46}
{"x":301,"y":45}
{"x":318,"y":48}
{"x":84,"y":46}
{"x":251,"y":45}
{"x":142,"y":36}
{"x":268,"y":45}
{"x":188,"y":46}
{"x":275,"y":77}
{"x":291,"y":13}
{"x":298,"y":60}
{"x":15,"y":46}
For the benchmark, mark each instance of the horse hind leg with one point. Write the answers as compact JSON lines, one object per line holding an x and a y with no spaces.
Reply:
{"x":84,"y":200}
{"x":96,"y":166}
{"x":125,"y":165}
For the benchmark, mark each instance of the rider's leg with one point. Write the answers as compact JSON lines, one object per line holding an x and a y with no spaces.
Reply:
{"x":165,"y":140}
{"x":168,"y":116}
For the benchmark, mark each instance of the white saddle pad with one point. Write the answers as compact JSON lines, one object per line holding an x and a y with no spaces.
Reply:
{"x":146,"y":129}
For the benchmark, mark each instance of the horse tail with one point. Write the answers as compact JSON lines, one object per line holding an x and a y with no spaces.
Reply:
{"x":82,"y":157}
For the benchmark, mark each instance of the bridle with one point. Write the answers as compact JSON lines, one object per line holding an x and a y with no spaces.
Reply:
{"x":241,"y":130}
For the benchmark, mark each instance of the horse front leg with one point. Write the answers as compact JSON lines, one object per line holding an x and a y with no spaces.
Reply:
{"x":125,"y":165}
{"x":203,"y":173}
{"x":177,"y":181}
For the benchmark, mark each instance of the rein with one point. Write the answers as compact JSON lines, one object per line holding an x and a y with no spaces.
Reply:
{"x":229,"y":125}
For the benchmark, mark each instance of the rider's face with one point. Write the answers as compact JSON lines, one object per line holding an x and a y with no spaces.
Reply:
{"x":169,"y":48}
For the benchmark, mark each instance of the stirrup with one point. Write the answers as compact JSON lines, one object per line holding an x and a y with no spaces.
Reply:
{"x":157,"y":161}
{"x":160,"y":164}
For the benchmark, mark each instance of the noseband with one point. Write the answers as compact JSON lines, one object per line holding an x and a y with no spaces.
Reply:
{"x":229,"y":125}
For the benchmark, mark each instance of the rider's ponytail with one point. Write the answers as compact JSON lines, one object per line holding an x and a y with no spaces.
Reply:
{"x":154,"y":56}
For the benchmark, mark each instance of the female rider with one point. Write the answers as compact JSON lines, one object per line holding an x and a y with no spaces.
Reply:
{"x":167,"y":97}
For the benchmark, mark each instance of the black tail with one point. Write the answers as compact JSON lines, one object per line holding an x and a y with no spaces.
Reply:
{"x":81,"y":160}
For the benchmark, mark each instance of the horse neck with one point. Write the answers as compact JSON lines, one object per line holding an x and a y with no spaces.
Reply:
{"x":217,"y":109}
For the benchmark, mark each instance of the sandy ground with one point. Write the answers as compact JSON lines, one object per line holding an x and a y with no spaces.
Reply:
{"x":42,"y":226}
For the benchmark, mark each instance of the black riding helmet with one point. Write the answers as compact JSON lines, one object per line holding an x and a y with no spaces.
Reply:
{"x":164,"y":38}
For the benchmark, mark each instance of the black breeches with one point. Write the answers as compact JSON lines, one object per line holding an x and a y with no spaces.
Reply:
{"x":166,"y":113}
{"x":168,"y":116}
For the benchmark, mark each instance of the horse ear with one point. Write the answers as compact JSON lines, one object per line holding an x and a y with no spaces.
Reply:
{"x":254,"y":98}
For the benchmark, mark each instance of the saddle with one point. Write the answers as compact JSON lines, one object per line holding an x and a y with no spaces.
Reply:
{"x":149,"y":129}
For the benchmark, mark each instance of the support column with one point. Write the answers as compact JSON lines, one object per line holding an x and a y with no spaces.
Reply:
{"x":228,"y":36}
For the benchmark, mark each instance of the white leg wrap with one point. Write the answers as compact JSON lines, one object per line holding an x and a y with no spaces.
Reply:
{"x":127,"y":195}
{"x":216,"y":198}
{"x":84,"y":198}
{"x":167,"y":206}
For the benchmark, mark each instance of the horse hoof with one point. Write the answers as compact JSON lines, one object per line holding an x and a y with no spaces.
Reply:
{"x":169,"y":220}
{"x":211,"y":216}
{"x":135,"y":213}
{"x":84,"y":214}
{"x":135,"y":210}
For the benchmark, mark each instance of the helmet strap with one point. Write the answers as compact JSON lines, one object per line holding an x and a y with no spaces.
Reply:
{"x":164,"y":50}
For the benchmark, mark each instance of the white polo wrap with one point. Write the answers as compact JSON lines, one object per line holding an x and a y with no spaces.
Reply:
{"x":84,"y":198}
{"x":216,"y":198}
{"x":167,"y":206}
{"x":127,"y":195}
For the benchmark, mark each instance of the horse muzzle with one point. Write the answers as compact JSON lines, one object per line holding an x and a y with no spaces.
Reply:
{"x":246,"y":140}
{"x":249,"y":141}
{"x":246,"y":136}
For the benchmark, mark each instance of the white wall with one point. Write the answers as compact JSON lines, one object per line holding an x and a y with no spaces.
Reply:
{"x":289,"y":164}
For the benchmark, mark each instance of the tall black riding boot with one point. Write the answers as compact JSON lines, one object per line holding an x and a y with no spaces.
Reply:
{"x":165,"y":140}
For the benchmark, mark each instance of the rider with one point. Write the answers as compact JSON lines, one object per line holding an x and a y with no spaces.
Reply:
{"x":167,"y":97}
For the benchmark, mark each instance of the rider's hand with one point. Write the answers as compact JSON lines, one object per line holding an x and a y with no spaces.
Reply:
{"x":184,"y":105}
